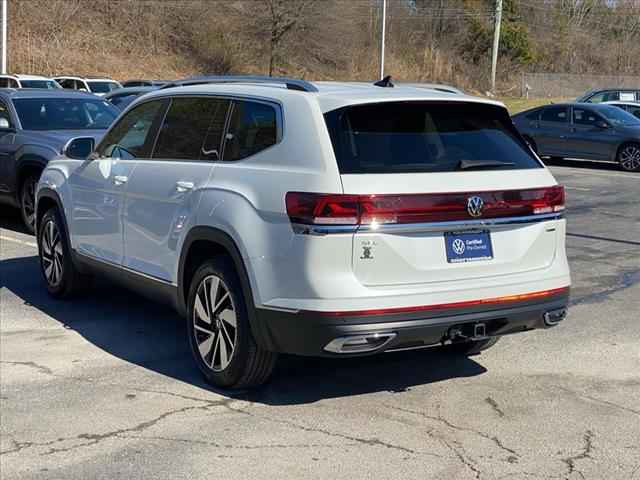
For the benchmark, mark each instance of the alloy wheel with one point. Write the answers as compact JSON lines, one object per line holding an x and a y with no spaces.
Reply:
{"x":52,"y":253}
{"x":29,"y":203}
{"x":630,"y":158}
{"x":214,"y":323}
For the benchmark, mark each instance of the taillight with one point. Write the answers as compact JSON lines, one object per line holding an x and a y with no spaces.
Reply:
{"x":339,"y":209}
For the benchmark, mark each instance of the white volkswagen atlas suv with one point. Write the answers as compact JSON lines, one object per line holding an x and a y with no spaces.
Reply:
{"x":327,"y":219}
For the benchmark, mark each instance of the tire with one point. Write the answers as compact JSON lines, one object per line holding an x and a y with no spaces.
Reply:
{"x":472,"y":347}
{"x":219,"y":331}
{"x":61,"y":276}
{"x":28,"y":202}
{"x":629,"y":157}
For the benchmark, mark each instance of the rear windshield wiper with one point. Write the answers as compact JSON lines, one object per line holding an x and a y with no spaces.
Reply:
{"x":469,"y":164}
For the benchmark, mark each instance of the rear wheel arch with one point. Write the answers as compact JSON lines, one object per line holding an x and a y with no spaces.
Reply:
{"x":205,"y":243}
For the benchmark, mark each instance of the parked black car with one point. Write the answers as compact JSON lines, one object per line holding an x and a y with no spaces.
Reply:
{"x":580,"y":130}
{"x":35,"y":125}
{"x":122,"y":97}
{"x":610,"y":94}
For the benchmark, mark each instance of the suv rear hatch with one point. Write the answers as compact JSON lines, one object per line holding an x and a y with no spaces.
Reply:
{"x":439,"y":192}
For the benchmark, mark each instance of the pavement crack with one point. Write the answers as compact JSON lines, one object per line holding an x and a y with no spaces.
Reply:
{"x":34,"y":365}
{"x":599,"y":400}
{"x":494,"y":406}
{"x":359,"y":440}
{"x":585,"y":453}
{"x":446,"y":422}
{"x":237,"y":447}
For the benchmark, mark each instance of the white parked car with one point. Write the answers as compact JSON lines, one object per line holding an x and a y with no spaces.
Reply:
{"x":320,"y":219}
{"x":97,"y":85}
{"x":27,"y":81}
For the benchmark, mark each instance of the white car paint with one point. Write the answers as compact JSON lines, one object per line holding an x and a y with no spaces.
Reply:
{"x":287,"y":270}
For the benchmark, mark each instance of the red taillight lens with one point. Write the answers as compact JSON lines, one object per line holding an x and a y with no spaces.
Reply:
{"x":322,"y":209}
{"x":338,"y":209}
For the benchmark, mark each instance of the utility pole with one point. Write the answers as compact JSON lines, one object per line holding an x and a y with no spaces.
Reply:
{"x":496,"y":45}
{"x":384,"y":23}
{"x":4,"y":36}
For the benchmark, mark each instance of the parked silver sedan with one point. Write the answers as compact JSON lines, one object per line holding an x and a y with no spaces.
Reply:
{"x":579,"y":130}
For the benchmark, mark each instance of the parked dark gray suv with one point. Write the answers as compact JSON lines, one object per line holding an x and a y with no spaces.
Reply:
{"x":580,"y":130}
{"x":35,"y":125}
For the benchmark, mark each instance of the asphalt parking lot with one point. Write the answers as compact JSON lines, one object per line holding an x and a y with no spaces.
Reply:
{"x":105,"y":387}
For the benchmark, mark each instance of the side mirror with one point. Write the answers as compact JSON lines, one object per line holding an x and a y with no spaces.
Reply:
{"x":79,"y":148}
{"x":602,"y":124}
{"x":4,"y":124}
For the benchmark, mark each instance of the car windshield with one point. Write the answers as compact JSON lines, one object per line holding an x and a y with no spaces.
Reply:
{"x":102,"y":87}
{"x":122,"y":101}
{"x":64,"y":113}
{"x":39,"y":84}
{"x":405,"y":137}
{"x":618,"y":116}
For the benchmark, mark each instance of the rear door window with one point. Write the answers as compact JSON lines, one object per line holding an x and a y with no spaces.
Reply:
{"x":192,"y":129}
{"x":253,"y":127}
{"x":582,"y":116}
{"x":555,"y":114}
{"x":405,"y":137}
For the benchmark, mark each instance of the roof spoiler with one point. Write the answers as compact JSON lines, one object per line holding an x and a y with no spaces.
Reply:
{"x":290,"y":83}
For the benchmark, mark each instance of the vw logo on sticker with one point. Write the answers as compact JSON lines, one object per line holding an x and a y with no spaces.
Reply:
{"x":458,"y":246}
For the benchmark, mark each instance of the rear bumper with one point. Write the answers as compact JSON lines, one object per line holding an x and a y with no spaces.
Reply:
{"x":307,"y":333}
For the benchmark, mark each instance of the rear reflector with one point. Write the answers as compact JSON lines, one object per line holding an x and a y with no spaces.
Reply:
{"x":445,"y":306}
{"x":339,"y":209}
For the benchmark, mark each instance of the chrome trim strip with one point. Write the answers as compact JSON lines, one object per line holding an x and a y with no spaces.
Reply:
{"x":125,"y":269}
{"x":423,"y":227}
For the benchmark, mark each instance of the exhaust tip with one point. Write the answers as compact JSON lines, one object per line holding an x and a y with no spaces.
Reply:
{"x":554,"y":317}
{"x":359,"y":343}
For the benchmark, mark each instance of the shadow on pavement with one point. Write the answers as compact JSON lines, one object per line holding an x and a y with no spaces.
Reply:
{"x":152,"y":336}
{"x":11,"y":220}
{"x":583,"y":164}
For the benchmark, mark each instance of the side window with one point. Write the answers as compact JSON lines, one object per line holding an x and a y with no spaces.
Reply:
{"x":533,"y":116}
{"x":597,"y":98}
{"x":611,"y":96}
{"x":133,"y":135}
{"x":582,"y":116}
{"x":192,"y":129}
{"x":67,"y":83}
{"x":554,"y":114}
{"x":5,"y":116}
{"x":252,"y":128}
{"x":13,"y":83}
{"x":4,"y":82}
{"x":635,"y":111}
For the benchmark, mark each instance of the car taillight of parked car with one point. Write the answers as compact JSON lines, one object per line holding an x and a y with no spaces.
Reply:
{"x":343,"y":209}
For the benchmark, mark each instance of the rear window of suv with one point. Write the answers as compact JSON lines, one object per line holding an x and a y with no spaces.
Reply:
{"x":408,"y":137}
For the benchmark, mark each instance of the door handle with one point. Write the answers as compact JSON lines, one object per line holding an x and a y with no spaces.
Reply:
{"x":563,"y":136}
{"x":182,"y":187}
{"x":120,"y":180}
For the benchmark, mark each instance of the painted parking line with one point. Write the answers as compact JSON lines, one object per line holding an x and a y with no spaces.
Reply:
{"x":580,"y":189}
{"x":4,"y":238}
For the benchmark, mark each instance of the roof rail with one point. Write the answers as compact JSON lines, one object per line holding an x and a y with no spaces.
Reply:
{"x":290,"y":83}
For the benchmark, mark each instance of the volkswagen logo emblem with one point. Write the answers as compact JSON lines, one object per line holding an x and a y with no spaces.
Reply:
{"x":475,"y":206}
{"x":458,"y":246}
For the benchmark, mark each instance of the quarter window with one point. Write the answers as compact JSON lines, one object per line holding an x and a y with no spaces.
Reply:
{"x":133,"y":136}
{"x":554,"y":114}
{"x":252,"y":128}
{"x":192,"y":129}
